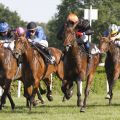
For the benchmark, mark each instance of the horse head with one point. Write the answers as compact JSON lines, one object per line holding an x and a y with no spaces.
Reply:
{"x":21,"y":44}
{"x":70,"y":36}
{"x":104,"y":44}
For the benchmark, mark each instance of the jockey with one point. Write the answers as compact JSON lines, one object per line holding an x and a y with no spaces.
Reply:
{"x":83,"y":30}
{"x":36,"y":35}
{"x":114,"y":32}
{"x":6,"y":35}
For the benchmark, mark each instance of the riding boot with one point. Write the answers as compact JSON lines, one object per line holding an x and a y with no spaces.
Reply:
{"x":50,"y":56}
{"x":87,"y":48}
{"x":19,"y":60}
{"x":47,"y":53}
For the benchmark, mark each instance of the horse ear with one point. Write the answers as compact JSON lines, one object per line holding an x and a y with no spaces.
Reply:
{"x":99,"y":37}
{"x":75,"y":25}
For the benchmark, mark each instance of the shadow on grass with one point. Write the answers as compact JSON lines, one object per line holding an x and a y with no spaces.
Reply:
{"x":40,"y":109}
{"x":106,"y":105}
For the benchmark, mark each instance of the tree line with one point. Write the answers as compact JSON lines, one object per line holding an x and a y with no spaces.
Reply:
{"x":108,"y":13}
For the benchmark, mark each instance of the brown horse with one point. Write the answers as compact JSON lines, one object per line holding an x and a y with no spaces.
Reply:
{"x":35,"y":67}
{"x":8,"y":69}
{"x":76,"y":67}
{"x":112,"y":63}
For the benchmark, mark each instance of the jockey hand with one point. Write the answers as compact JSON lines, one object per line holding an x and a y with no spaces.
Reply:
{"x":89,"y":32}
{"x":1,"y":44}
{"x":29,"y":40}
{"x":117,"y":37}
{"x":79,"y":34}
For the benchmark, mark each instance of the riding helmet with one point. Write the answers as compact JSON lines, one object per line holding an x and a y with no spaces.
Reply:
{"x":20,"y":31}
{"x":113,"y":29}
{"x":4,"y":26}
{"x":31,"y":26}
{"x":72,"y":17}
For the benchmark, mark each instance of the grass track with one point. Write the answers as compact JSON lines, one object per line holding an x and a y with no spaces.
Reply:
{"x":97,"y":109}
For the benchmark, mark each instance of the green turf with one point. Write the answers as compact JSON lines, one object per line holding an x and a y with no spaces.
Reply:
{"x":97,"y":109}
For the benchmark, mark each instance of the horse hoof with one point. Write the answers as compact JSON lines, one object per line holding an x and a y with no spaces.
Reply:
{"x":35,"y":103}
{"x":63,"y":100}
{"x":107,"y":96}
{"x":43,"y":92}
{"x":50,"y":98}
{"x":13,"y":107}
{"x":79,"y":103}
{"x":0,"y":107}
{"x":42,"y":102}
{"x":82,"y":109}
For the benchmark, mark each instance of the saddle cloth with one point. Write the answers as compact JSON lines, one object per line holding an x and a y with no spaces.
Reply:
{"x":94,"y":50}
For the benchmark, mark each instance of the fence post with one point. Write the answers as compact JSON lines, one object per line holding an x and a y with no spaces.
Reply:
{"x":1,"y":91}
{"x":19,"y":88}
{"x":81,"y":88}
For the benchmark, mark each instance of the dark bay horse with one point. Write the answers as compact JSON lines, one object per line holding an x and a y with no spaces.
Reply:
{"x":35,"y":67}
{"x":76,"y":67}
{"x":112,"y":63}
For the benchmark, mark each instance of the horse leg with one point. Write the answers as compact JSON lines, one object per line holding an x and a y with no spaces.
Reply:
{"x":40,"y":96}
{"x":42,"y":91}
{"x":111,"y":84}
{"x":64,"y":99}
{"x":48,"y":83}
{"x":35,"y":90}
{"x":27,"y":103}
{"x":64,"y":83}
{"x":79,"y":101}
{"x":5,"y":93}
{"x":86,"y":92}
{"x":11,"y":100}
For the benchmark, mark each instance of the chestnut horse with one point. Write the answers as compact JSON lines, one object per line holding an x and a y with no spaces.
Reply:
{"x":112,"y":63}
{"x":9,"y":71}
{"x":35,"y":67}
{"x":76,"y":67}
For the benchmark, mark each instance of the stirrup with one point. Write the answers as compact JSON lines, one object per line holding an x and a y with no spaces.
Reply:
{"x":90,"y":55}
{"x":51,"y":60}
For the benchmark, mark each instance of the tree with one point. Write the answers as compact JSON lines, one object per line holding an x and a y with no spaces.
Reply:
{"x":55,"y":24}
{"x":108,"y":13}
{"x":11,"y":17}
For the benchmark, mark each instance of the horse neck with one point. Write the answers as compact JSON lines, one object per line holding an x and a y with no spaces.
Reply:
{"x":113,"y":52}
{"x":29,"y":53}
{"x":8,"y":61}
{"x":112,"y":48}
{"x":5,"y":53}
{"x":32,"y":56}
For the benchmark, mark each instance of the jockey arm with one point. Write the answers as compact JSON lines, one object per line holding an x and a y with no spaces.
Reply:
{"x":41,"y":34}
{"x":117,"y":37}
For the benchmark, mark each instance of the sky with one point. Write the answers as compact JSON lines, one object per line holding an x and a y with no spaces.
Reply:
{"x":33,"y":10}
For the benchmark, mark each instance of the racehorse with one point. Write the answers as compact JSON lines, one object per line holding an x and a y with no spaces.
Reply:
{"x":35,"y":67}
{"x":76,"y":67}
{"x":112,"y":63}
{"x":8,"y":69}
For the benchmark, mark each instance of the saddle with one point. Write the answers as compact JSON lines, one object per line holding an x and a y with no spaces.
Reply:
{"x":45,"y":52}
{"x":92,"y":50}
